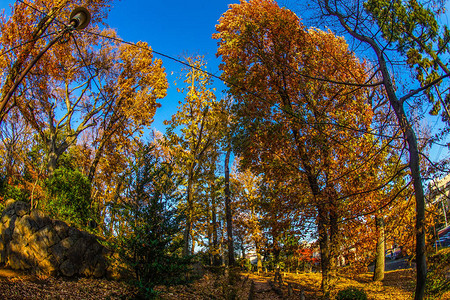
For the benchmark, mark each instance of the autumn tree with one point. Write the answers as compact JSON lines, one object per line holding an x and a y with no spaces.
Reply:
{"x":135,"y":81}
{"x":412,"y":30}
{"x":88,"y":81}
{"x":307,"y":132}
{"x":16,"y":136}
{"x":246,"y":193}
{"x":212,"y":198}
{"x":20,"y":169}
{"x":87,"y":98}
{"x":191,"y":134}
{"x":22,"y":39}
{"x":22,"y":36}
{"x":279,"y":222}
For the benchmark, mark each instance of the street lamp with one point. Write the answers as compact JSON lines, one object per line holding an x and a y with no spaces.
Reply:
{"x":79,"y":19}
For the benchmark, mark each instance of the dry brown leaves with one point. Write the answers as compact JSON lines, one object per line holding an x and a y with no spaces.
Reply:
{"x":210,"y":286}
{"x":21,"y":286}
{"x":397,"y":284}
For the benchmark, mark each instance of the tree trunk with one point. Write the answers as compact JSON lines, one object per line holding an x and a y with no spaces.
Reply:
{"x":327,"y":252}
{"x":188,"y":226}
{"x":214,"y":250}
{"x":228,"y":213}
{"x":334,"y":240}
{"x":101,"y":148}
{"x":322,"y":222}
{"x":414,"y":161}
{"x":258,"y":257}
{"x":52,"y":164}
{"x":96,"y":160}
{"x":54,"y":154}
{"x":210,"y":234}
{"x":216,"y":257}
{"x":193,"y":241}
{"x":378,"y":273}
{"x":222,"y":246}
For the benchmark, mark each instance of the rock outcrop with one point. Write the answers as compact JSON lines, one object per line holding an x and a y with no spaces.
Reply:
{"x":30,"y":240}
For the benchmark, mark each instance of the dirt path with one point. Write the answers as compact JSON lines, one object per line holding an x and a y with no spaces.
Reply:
{"x":262,"y":289}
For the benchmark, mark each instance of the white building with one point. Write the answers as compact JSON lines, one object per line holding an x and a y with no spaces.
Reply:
{"x":439,"y":196}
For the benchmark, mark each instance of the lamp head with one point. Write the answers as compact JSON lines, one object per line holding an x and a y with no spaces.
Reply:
{"x":80,"y":18}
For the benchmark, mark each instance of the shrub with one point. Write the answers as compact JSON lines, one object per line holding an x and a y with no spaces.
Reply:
{"x":438,"y":285}
{"x":69,"y":197}
{"x":150,"y":222}
{"x":10,"y":190}
{"x":351,"y":293}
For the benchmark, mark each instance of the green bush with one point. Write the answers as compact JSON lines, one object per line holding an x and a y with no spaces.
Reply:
{"x":351,"y":293}
{"x":244,"y":264}
{"x":147,"y":241}
{"x":69,"y":197}
{"x":8,"y":191}
{"x":437,"y":282}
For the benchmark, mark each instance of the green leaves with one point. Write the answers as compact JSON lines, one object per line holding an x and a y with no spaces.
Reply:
{"x":68,"y":197}
{"x":147,"y":241}
{"x":403,"y":22}
{"x":412,"y":27}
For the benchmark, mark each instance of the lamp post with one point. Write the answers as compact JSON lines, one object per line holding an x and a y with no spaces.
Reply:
{"x":79,"y":19}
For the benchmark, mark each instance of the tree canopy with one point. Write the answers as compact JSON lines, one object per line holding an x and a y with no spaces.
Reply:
{"x":312,"y":158}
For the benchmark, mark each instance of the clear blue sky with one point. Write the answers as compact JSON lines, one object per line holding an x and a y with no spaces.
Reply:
{"x":175,"y":28}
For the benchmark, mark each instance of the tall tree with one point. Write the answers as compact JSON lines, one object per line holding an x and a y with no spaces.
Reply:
{"x":247,"y":193}
{"x":135,"y":81}
{"x":22,"y":37}
{"x":76,"y":84}
{"x":196,"y":124}
{"x":228,"y":212}
{"x":310,"y":131}
{"x":16,"y":137}
{"x":412,"y":29}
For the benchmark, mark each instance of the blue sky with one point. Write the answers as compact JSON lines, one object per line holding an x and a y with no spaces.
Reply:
{"x":175,"y":28}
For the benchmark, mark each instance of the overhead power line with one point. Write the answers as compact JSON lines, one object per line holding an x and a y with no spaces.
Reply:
{"x":231,"y":84}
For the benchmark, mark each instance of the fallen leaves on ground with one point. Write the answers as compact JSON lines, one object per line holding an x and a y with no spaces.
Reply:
{"x":20,"y":286}
{"x":397,"y":284}
{"x":210,"y":286}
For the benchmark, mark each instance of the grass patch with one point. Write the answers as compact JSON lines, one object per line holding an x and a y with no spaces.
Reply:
{"x":398,"y":284}
{"x":438,"y":278}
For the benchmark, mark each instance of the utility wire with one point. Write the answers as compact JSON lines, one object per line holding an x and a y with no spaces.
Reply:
{"x":27,"y":42}
{"x":290,"y":113}
{"x":228,"y":82}
{"x":209,"y":74}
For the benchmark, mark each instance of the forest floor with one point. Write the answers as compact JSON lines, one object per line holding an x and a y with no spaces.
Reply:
{"x":17,"y":285}
{"x":398,"y":284}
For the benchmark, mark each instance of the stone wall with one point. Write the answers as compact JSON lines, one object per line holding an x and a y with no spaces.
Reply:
{"x":30,"y":240}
